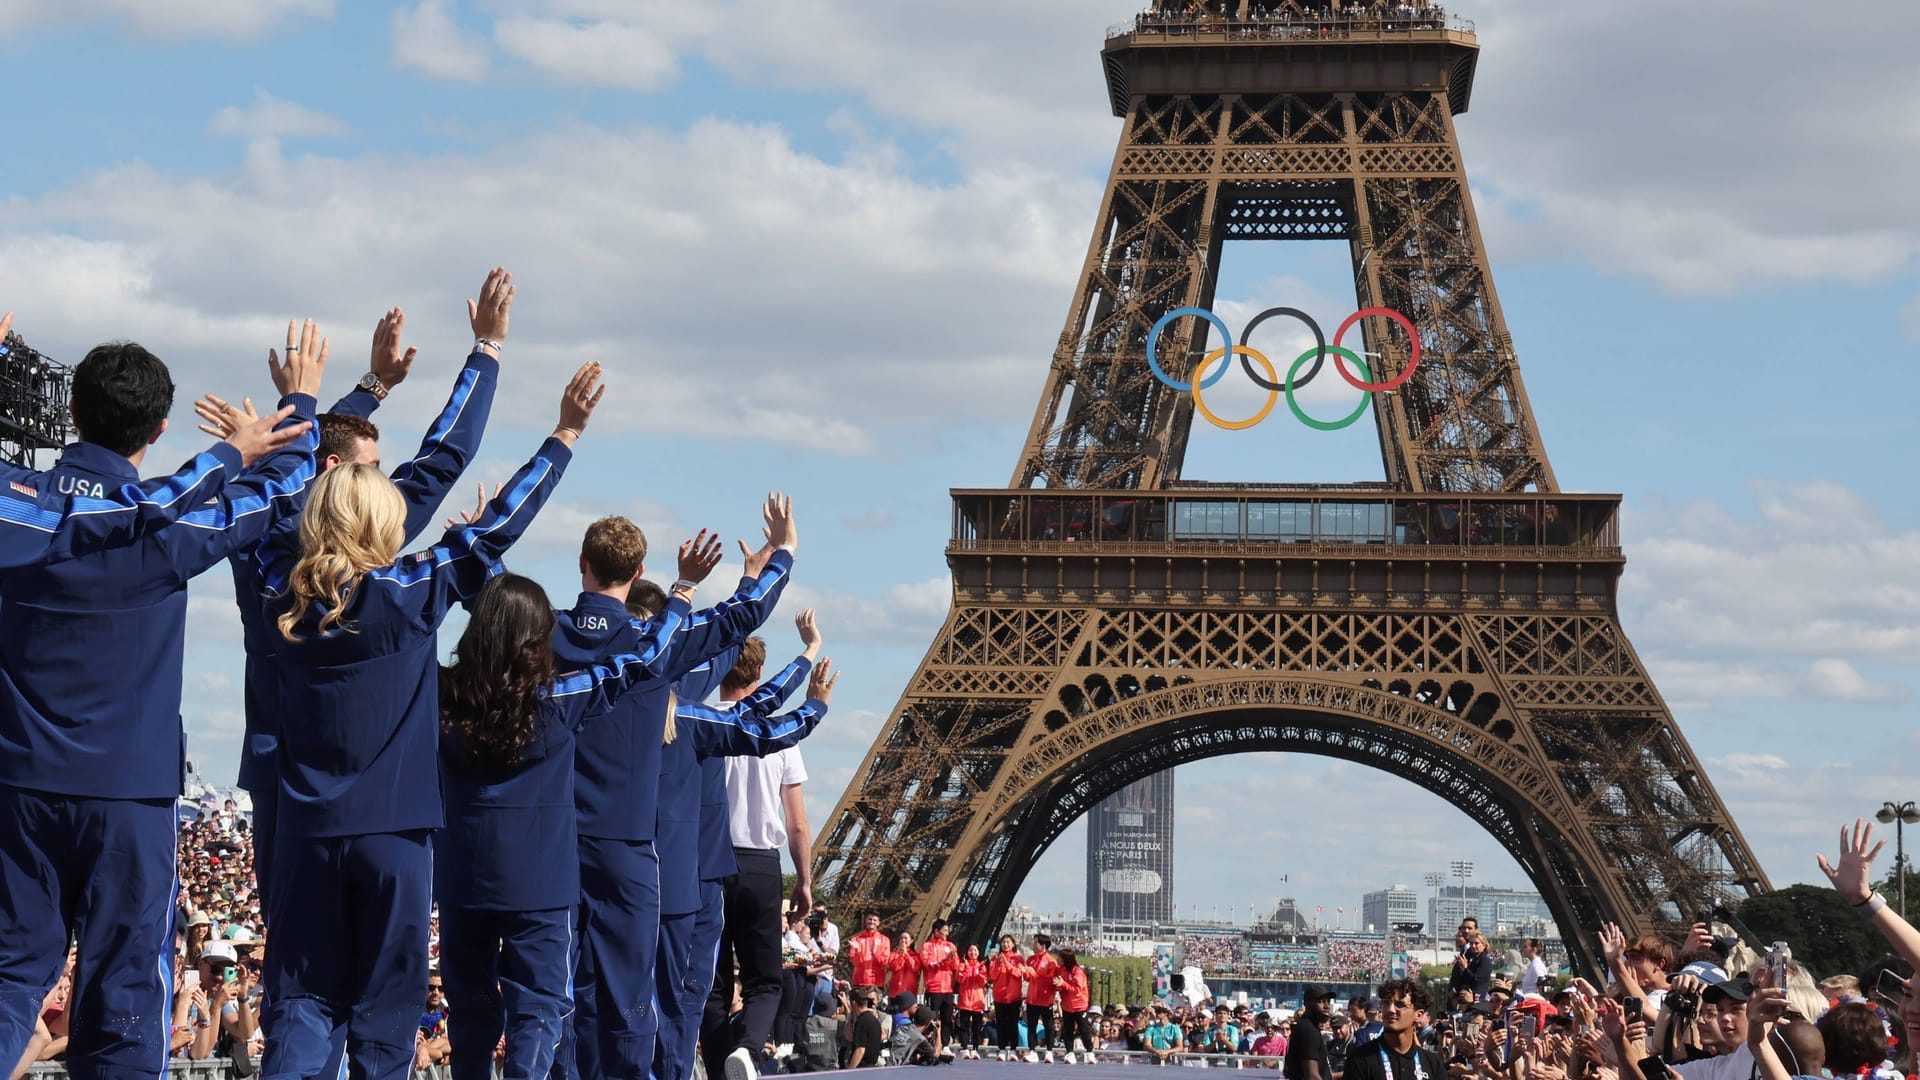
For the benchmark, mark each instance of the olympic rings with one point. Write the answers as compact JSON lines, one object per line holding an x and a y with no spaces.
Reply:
{"x":1329,"y":425}
{"x":1249,"y":356}
{"x":1413,"y":361}
{"x":1153,"y":339}
{"x":1319,"y":345}
{"x":1273,"y":395}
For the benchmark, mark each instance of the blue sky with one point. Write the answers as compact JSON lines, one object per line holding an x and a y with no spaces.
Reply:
{"x":826,"y":247}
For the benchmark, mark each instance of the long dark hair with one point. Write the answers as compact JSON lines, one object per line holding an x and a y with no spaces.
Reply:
{"x":1068,"y":961}
{"x":490,"y":695}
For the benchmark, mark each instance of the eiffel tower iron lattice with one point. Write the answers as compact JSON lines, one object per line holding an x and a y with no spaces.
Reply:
{"x":1455,"y":626}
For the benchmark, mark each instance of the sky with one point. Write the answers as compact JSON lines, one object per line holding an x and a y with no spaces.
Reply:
{"x":826,"y":246}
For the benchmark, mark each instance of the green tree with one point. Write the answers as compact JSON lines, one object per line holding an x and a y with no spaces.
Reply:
{"x":1825,"y":933}
{"x":1889,"y":887}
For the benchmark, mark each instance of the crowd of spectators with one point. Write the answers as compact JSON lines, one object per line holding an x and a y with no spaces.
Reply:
{"x":1213,"y":952}
{"x":1287,"y":20}
{"x":1348,"y":955}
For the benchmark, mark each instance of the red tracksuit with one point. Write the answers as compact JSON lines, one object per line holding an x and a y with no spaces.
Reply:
{"x":1045,"y":969}
{"x":1008,"y":976}
{"x":870,"y":951}
{"x":939,"y":960}
{"x":973,"y":986}
{"x":906,"y":973}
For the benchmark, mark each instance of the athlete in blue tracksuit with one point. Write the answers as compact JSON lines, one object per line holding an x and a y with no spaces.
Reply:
{"x":424,"y":480}
{"x":684,"y":970}
{"x":91,"y":750}
{"x":359,"y":791}
{"x":617,"y":768}
{"x":506,"y":871}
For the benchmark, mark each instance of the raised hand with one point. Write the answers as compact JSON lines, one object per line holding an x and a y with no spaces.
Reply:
{"x":222,"y":419}
{"x":583,"y":392}
{"x":809,"y":632}
{"x":820,"y":684}
{"x":1853,"y":878}
{"x":391,"y":361}
{"x":306,"y":361}
{"x":699,"y":556}
{"x":6,"y":327}
{"x":1613,"y":943}
{"x":757,"y":558}
{"x":488,"y":315}
{"x":257,"y":437}
{"x":781,"y":531}
{"x":468,"y":517}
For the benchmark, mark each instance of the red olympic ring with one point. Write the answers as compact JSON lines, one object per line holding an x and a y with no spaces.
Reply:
{"x":1394,"y":383}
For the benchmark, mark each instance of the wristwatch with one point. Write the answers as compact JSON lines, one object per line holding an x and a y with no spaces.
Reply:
{"x":371,"y":384}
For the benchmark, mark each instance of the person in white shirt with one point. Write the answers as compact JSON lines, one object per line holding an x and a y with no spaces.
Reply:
{"x":1533,"y":967}
{"x":766,"y":812}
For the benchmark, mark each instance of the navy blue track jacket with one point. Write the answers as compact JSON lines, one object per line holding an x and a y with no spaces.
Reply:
{"x":511,"y":838}
{"x":424,"y":481}
{"x":618,"y":764}
{"x":359,"y":705}
{"x":708,"y":732}
{"x":91,"y":648}
{"x":44,"y":519}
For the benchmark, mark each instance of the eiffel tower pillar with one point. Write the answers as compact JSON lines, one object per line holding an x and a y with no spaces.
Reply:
{"x":1456,"y":626}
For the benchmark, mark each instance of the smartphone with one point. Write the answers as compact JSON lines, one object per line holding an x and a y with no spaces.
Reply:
{"x":232,"y":976}
{"x":1529,"y":1026}
{"x":1777,"y":959}
{"x":1892,"y":989}
{"x":1633,"y":1007}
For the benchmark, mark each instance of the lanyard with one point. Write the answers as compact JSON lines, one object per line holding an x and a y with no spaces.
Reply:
{"x":1386,"y":1063}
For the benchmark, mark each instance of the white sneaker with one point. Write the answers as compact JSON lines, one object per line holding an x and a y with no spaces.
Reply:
{"x":1032,"y":1057}
{"x":739,"y":1065}
{"x":1071,"y":1059}
{"x":1049,"y":1057}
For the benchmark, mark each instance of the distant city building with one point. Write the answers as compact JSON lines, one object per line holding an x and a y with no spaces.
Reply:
{"x":1286,"y":918}
{"x":1383,"y":910}
{"x":1502,"y":912}
{"x":1130,"y":853}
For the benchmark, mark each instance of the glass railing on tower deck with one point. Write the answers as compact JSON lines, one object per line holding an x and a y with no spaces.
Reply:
{"x":1200,"y":519}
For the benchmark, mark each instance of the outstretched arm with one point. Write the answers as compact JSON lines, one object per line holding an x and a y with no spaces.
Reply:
{"x":454,"y":439}
{"x":38,"y":526}
{"x":746,"y":730}
{"x":271,"y":490}
{"x":1853,"y":880}
{"x":727,"y":624}
{"x":465,"y":557}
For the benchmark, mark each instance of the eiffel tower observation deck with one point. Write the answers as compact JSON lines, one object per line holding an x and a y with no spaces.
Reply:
{"x":1455,"y":625}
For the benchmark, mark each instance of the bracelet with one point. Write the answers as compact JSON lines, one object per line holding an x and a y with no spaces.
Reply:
{"x":575,"y":432}
{"x":479,"y":341}
{"x":683,"y":583}
{"x":1871,"y":906}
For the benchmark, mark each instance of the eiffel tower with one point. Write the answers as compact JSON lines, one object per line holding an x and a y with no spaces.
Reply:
{"x":1455,"y":625}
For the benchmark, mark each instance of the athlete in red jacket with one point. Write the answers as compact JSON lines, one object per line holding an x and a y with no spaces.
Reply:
{"x":1008,"y":975}
{"x":939,"y":960}
{"x":905,"y":966}
{"x":869,"y":951}
{"x":1074,"y":999}
{"x":972,"y":978}
{"x":1040,"y":996}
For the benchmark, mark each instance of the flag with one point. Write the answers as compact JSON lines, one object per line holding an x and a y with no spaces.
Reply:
{"x":1317,"y":909}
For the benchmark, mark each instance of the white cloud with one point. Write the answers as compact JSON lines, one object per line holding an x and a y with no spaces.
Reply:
{"x":721,"y":276}
{"x":904,"y":613}
{"x":426,"y":38}
{"x":167,"y":20}
{"x":590,"y":53}
{"x":270,"y":117}
{"x":1818,"y":574}
{"x":1703,"y":179}
{"x":869,"y":520}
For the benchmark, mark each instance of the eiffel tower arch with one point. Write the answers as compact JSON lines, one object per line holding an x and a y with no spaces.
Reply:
{"x":1455,"y":626}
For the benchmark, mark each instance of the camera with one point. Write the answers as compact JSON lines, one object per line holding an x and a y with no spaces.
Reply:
{"x":816,"y":920}
{"x":1684,"y":1003}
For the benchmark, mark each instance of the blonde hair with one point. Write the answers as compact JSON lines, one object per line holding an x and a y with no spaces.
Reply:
{"x":355,"y":521}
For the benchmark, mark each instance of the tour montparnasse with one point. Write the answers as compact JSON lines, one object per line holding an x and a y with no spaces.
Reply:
{"x":1455,"y":625}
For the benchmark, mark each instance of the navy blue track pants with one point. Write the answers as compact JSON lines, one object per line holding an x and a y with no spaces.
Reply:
{"x":105,"y":868}
{"x":348,"y":949}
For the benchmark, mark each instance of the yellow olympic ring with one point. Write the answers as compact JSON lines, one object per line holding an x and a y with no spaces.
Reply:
{"x":1273,"y":396}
